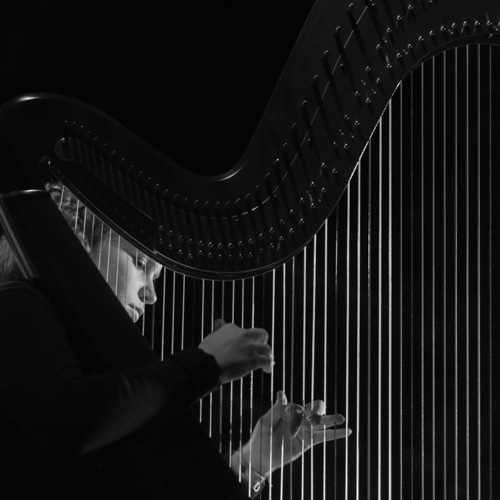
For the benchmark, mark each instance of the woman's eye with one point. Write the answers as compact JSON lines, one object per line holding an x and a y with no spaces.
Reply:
{"x":140,"y":264}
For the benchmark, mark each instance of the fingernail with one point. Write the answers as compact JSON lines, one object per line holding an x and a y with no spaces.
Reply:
{"x":339,"y":418}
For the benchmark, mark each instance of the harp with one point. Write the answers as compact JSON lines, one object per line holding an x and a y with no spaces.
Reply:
{"x":359,"y":227}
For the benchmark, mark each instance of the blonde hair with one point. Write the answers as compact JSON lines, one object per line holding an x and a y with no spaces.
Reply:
{"x":9,"y":270}
{"x":88,"y":228}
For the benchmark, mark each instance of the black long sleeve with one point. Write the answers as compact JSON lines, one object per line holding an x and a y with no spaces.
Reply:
{"x":44,"y":390}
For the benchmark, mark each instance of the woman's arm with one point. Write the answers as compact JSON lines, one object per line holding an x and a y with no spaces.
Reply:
{"x":45,"y":390}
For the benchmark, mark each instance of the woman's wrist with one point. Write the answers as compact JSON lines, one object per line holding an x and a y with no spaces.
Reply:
{"x":247,"y":472}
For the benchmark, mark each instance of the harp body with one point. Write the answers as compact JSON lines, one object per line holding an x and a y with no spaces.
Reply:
{"x":359,"y":228}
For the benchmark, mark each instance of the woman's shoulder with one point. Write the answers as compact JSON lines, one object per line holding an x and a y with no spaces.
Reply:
{"x":14,"y":285}
{"x":13,"y":292}
{"x":24,"y":307}
{"x":20,"y":286}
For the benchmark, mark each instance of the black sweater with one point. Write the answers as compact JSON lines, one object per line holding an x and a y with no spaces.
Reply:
{"x":57,"y":423}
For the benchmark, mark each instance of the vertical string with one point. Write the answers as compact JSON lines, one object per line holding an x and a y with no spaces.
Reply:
{"x":273,"y":344}
{"x":304,"y":351}
{"x":183,"y":310}
{"x":389,"y":326}
{"x":411,"y":416}
{"x":222,"y":390}
{"x":117,"y":259}
{"x":358,"y":330}
{"x":325,"y":347}
{"x":108,"y":257}
{"x":445,"y":266}
{"x":207,"y":313}
{"x":467,"y":273}
{"x":242,"y":323}
{"x":240,"y":383}
{"x":284,"y":362}
{"x":336,"y":330}
{"x":490,"y":278}
{"x":401,"y":197}
{"x":433,"y":279}
{"x":379,"y":308}
{"x":144,"y":282}
{"x":292,"y":347}
{"x":174,"y":296}
{"x":348,"y":308}
{"x":313,"y":350}
{"x":231,"y":384}
{"x":478,"y":267}
{"x":163,"y":316}
{"x":422,"y":280}
{"x":455,"y":277}
{"x":252,"y":325}
{"x":369,"y":320}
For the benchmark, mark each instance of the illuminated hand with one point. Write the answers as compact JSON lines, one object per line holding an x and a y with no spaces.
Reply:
{"x":288,"y":430}
{"x":238,"y":351}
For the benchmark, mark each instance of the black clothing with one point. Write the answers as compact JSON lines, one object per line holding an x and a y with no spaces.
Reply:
{"x":57,"y":423}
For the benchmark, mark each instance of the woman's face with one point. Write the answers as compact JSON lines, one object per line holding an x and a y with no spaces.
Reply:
{"x":129,"y":272}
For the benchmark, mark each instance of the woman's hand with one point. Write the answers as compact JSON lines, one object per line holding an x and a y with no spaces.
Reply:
{"x":287,"y":431}
{"x":238,"y":351}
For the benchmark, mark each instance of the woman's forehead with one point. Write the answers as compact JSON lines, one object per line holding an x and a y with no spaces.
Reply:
{"x":138,"y":254}
{"x":157,"y":268}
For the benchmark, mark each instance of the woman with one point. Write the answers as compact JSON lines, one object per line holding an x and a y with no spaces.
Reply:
{"x":58,"y":422}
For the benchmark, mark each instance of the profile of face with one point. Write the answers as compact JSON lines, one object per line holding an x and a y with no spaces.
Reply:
{"x":129,"y":272}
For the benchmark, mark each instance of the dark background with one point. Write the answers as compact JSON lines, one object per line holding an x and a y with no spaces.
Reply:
{"x":191,"y":79}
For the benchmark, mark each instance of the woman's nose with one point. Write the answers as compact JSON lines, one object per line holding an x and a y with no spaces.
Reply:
{"x":147,"y":294}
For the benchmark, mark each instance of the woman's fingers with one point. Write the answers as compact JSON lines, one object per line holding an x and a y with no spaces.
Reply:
{"x":315,"y":413}
{"x":218,"y":323}
{"x":257,"y":335}
{"x":264,"y":359}
{"x":318,"y":407}
{"x":321,"y":436}
{"x":264,"y":356}
{"x":238,"y":351}
{"x":330,"y":421}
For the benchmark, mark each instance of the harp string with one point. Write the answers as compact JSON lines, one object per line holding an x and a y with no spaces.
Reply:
{"x":467,"y":270}
{"x":412,"y":288}
{"x":174,"y":329}
{"x":347,"y":327}
{"x":445,"y":266}
{"x":163,"y":318}
{"x":273,"y":340}
{"x":358,"y":178}
{"x":422,"y":283}
{"x":433,"y":274}
{"x":251,"y":377}
{"x":369,"y":315}
{"x":304,"y":351}
{"x":380,"y":266}
{"x":390,"y":280}
{"x":402,"y":91}
{"x":478,"y":266}
{"x":284,"y":360}
{"x":490,"y":274}
{"x":313,"y":350}
{"x":325,"y":345}
{"x":222,"y":391}
{"x":455,"y":297}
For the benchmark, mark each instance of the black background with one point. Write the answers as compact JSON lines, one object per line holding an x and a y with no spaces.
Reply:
{"x":191,"y":79}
